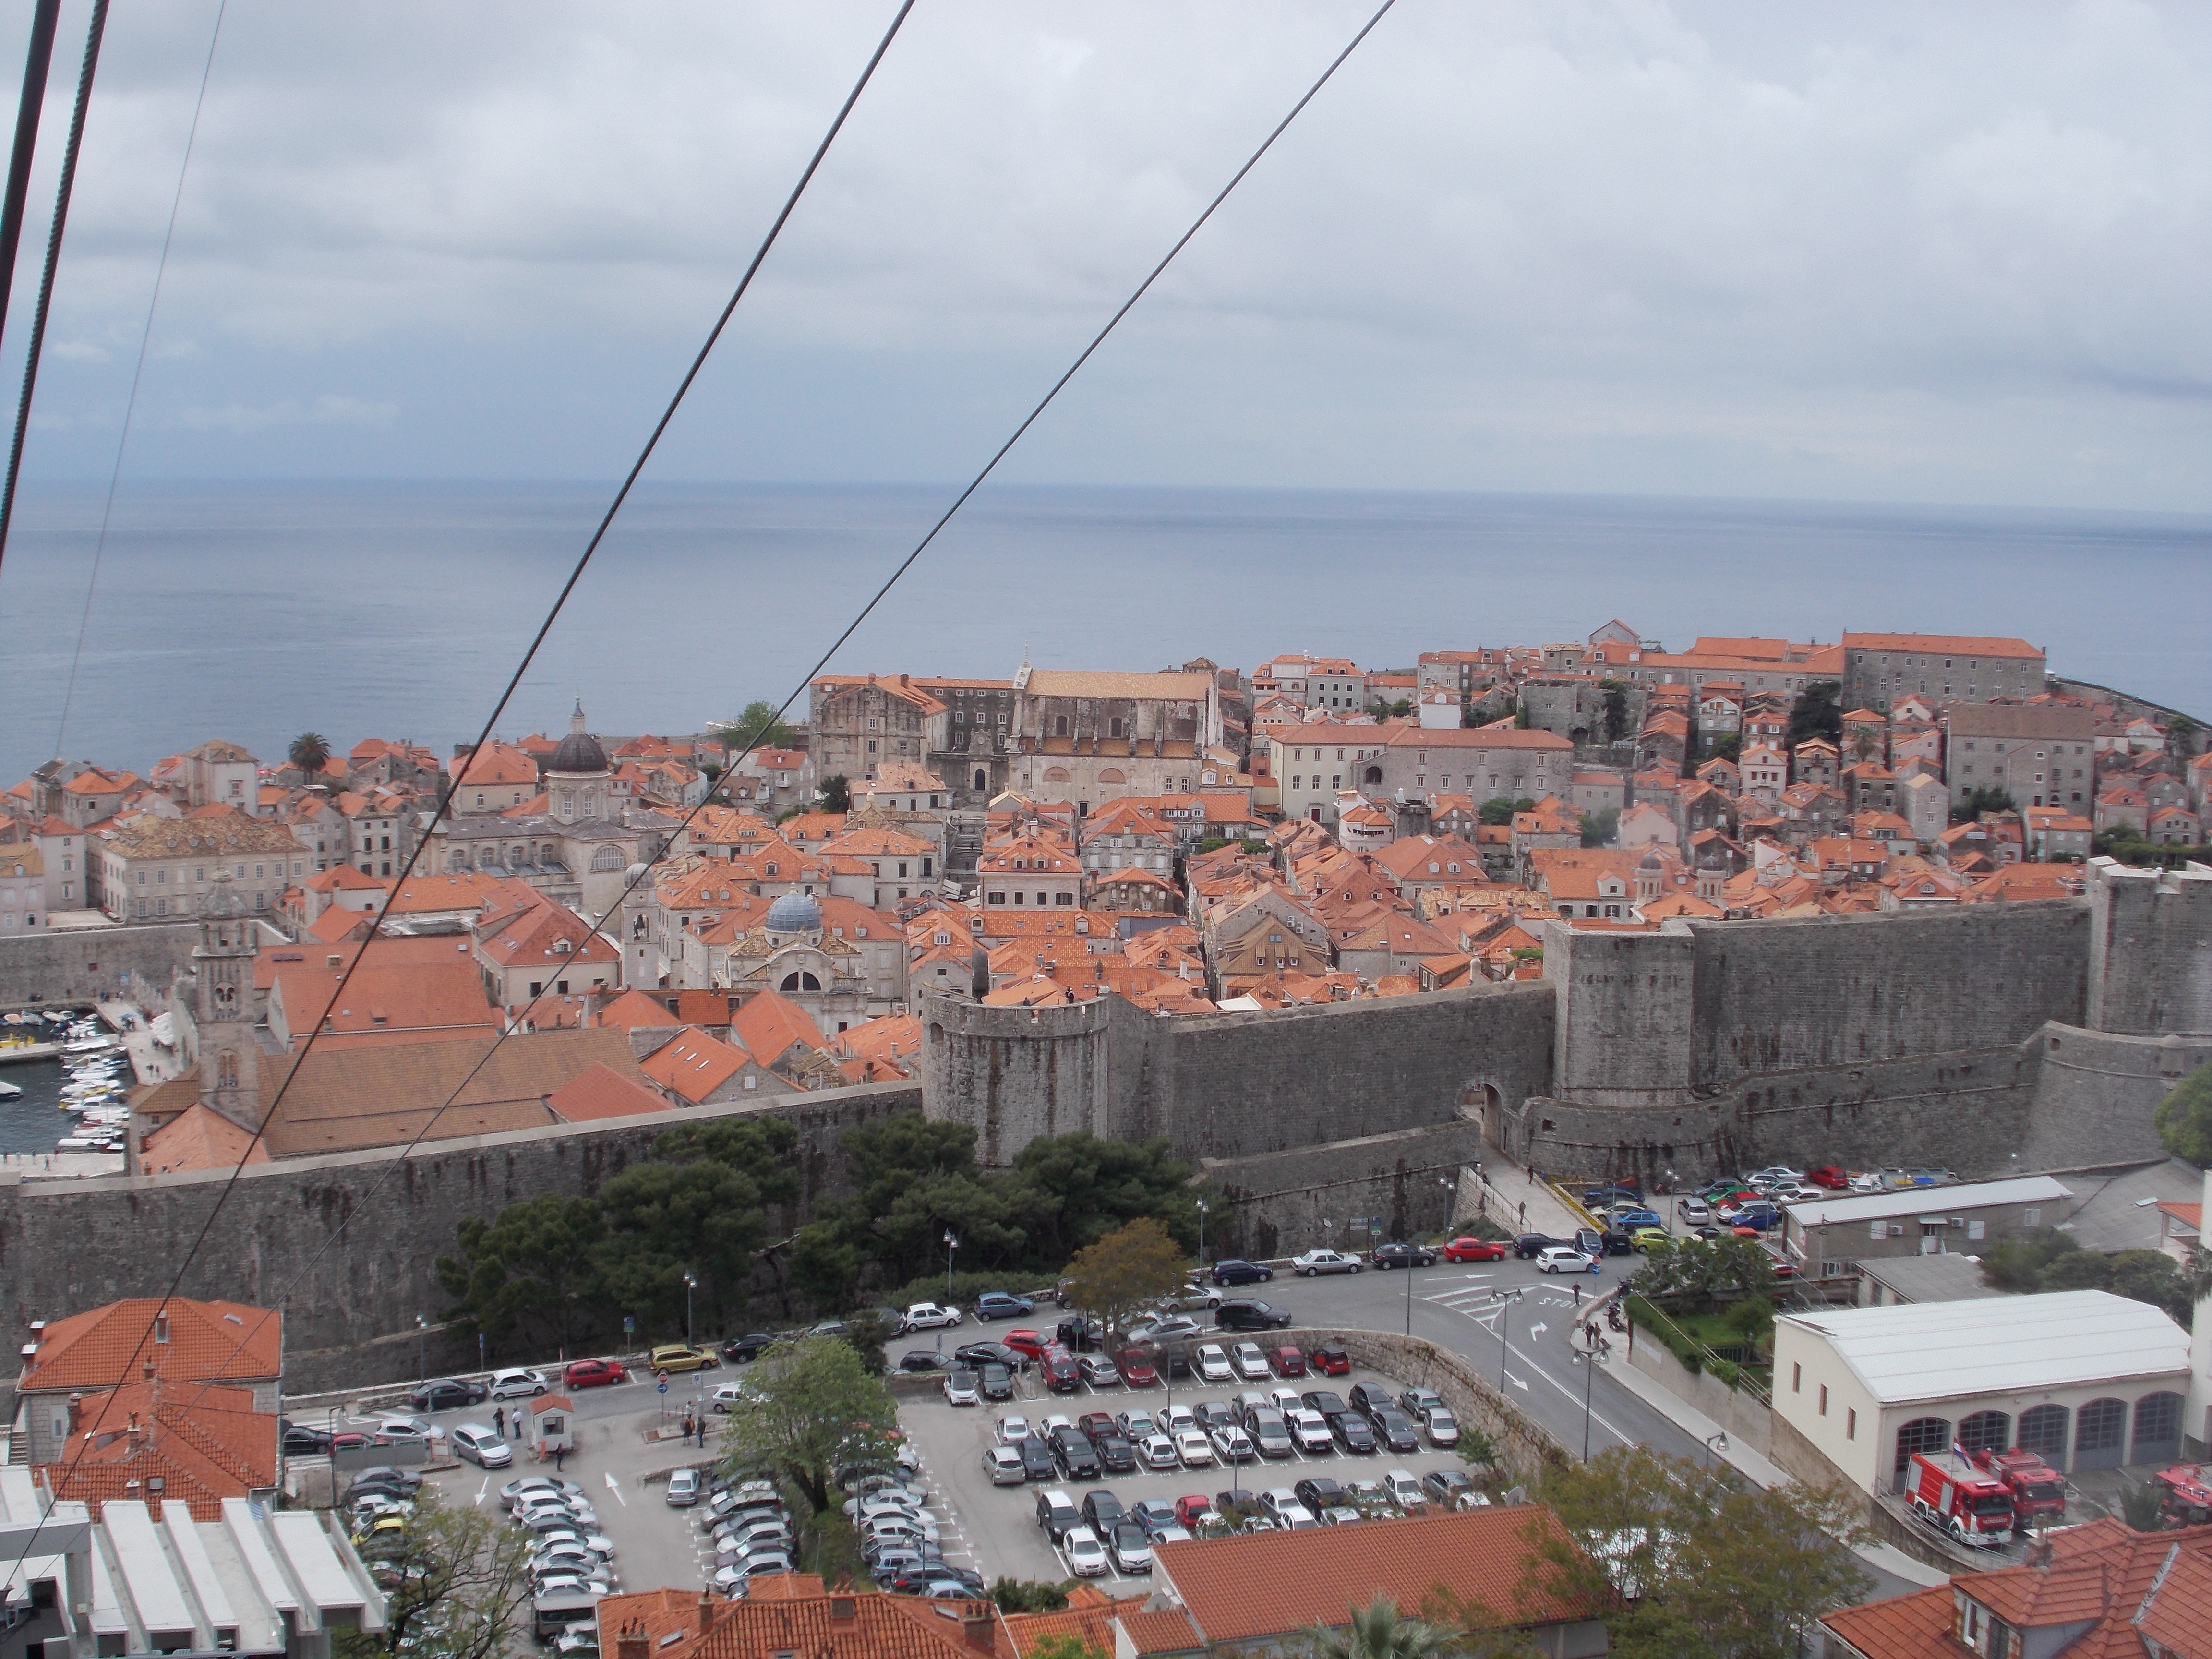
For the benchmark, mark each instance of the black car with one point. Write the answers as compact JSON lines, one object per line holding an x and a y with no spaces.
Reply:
{"x":925,"y":1359}
{"x":1115,"y":1452}
{"x":1237,"y":1271}
{"x":1353,"y":1432}
{"x":1368,"y":1398}
{"x":744,"y":1350}
{"x":1037,"y":1459}
{"x":1529,"y":1246}
{"x":1599,"y":1198}
{"x":989,"y":1353}
{"x":1244,"y":1315}
{"x":1395,"y":1429}
{"x":1326,"y":1401}
{"x":1318,"y":1493}
{"x":300,"y":1441}
{"x":1101,"y":1509}
{"x":384,"y":1474}
{"x":1403,"y":1256}
{"x":444,"y":1392}
{"x":1076,"y":1457}
{"x":1080,"y":1335}
{"x":995,"y":1381}
{"x":1237,"y":1498}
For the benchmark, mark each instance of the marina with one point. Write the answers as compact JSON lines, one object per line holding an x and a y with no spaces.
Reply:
{"x":66,"y":1111}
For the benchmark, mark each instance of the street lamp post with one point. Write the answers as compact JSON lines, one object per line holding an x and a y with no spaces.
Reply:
{"x":1505,"y":1300}
{"x":1590,"y":1361}
{"x":951,"y":1246}
{"x":1715,"y":1442}
{"x":691,"y":1285}
{"x":421,"y":1348}
{"x":1202,"y":1235}
{"x":1413,"y":1261}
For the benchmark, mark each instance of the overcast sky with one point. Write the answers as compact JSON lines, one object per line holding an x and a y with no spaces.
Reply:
{"x":1933,"y":253}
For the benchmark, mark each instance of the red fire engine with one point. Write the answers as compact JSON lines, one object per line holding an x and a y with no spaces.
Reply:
{"x":1955,"y":1498}
{"x":2039,"y":1491}
{"x":2186,"y":1500}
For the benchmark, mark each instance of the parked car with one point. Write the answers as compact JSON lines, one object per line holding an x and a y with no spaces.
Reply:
{"x":1076,"y":1457}
{"x":1028,"y":1344}
{"x":1085,"y":1555}
{"x":1451,"y":1489}
{"x":1475,"y":1250}
{"x":1288,"y":1360}
{"x":1246,"y":1314}
{"x":1564,"y":1259}
{"x":744,"y":1350}
{"x":1833,"y":1177}
{"x":300,"y":1441}
{"x":1004,"y":1465}
{"x":1353,"y":1433}
{"x":1190,"y":1299}
{"x":1330,"y":1360}
{"x":683,"y":1357}
{"x":995,"y":1383}
{"x":1212,"y":1364}
{"x":1530,"y":1245}
{"x":1137,"y":1369}
{"x":1099,"y":1372}
{"x":1000,"y":1304}
{"x":923,"y":1359}
{"x":1251,"y":1364}
{"x":1232,"y":1445}
{"x":1395,"y":1429}
{"x":442,"y":1393}
{"x":1692,"y":1212}
{"x":961,"y":1390}
{"x":988,"y":1353}
{"x":592,"y":1374}
{"x":1037,"y":1462}
{"x":517,"y":1384}
{"x":509,"y":1495}
{"x":1194,"y":1449}
{"x":1631,"y":1217}
{"x":1402,"y":1256}
{"x":1597,"y":1198}
{"x":1270,"y":1432}
{"x":1404,"y":1492}
{"x":481,"y":1444}
{"x":1237,"y":1271}
{"x":1314,"y":1263}
{"x":401,"y":1430}
{"x":1062,"y":1374}
{"x":683,"y":1488}
{"x":1057,"y":1514}
{"x":1310,"y":1433}
{"x":1156,"y":1451}
{"x":929,"y":1316}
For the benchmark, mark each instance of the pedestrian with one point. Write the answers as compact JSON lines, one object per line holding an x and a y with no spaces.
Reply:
{"x":1524,"y":1212}
{"x":499,"y":1421}
{"x":1578,"y":1293}
{"x":559,"y":1452}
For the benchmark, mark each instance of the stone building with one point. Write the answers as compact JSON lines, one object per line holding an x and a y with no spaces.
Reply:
{"x":857,"y":725}
{"x":1880,"y":669}
{"x":154,"y":869}
{"x":2040,"y":754}
{"x":1088,"y":737}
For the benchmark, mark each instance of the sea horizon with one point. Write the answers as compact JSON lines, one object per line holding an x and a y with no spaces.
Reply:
{"x":252,"y":610}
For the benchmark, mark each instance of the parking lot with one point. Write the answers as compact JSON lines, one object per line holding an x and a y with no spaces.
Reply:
{"x":995,"y":1529}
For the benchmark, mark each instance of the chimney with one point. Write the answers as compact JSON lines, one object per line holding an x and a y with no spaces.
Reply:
{"x":980,"y":1630}
{"x":706,"y":1612}
{"x":632,"y":1642}
{"x":841,"y":1617}
{"x":75,"y":1410}
{"x":134,"y":1433}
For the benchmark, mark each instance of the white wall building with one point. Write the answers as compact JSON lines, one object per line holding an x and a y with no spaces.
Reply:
{"x":2085,"y":1379}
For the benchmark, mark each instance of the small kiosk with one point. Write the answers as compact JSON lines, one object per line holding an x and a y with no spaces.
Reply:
{"x":550,"y":1427}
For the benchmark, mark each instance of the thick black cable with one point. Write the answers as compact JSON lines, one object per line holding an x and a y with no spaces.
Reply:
{"x":92,"y":39}
{"x":36,"y":61}
{"x":754,"y":741}
{"x":138,"y":374}
{"x":222,"y":1196}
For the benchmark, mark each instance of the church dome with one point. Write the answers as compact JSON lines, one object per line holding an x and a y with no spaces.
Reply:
{"x":794,"y":913}
{"x":1650,"y":859}
{"x":579,"y":752}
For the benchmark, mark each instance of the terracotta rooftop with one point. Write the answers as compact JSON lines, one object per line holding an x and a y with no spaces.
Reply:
{"x":195,"y":1342}
{"x":201,"y":1447}
{"x":598,"y":1091}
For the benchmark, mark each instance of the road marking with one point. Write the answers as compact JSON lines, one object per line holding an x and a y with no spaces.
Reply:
{"x":479,"y":1498}
{"x":1539,"y":1328}
{"x":617,"y":1489}
{"x":1516,"y":1382}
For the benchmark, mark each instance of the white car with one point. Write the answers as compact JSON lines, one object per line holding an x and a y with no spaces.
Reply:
{"x":1086,"y":1556}
{"x":1232,"y":1445}
{"x":1564,"y":1259}
{"x":1284,"y":1400}
{"x":683,"y":1488}
{"x":1004,"y":1465}
{"x":1405,"y":1491}
{"x":1055,"y":1421}
{"x":1157,"y":1451}
{"x":960,"y":1389}
{"x":597,"y":1543}
{"x":1310,"y":1433}
{"x":1251,"y":1364}
{"x":1212,"y":1364}
{"x":1193,"y":1450}
{"x":518,"y":1384}
{"x":1442,"y":1427}
{"x":1176,"y":1418}
{"x":481,"y":1444}
{"x":728,"y":1394}
{"x":1013,"y":1430}
{"x":930,"y":1316}
{"x":1692,"y":1212}
{"x":1314,"y":1262}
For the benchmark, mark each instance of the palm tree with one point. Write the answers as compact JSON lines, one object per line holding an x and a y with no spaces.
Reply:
{"x":1380,"y":1631}
{"x":310,"y":752}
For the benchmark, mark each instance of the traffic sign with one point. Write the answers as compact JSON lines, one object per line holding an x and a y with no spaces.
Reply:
{"x":662,"y":1387}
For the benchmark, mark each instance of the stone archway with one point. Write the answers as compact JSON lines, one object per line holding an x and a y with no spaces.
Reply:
{"x":1480,"y":1103}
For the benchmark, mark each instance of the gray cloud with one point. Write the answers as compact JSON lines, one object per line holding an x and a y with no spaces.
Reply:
{"x":1859,"y":251}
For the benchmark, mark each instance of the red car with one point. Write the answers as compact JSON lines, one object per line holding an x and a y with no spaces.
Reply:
{"x":1190,"y":1507}
{"x":1833,"y":1177}
{"x":593,"y":1374}
{"x":1136,"y":1367}
{"x":1474,"y":1249}
{"x":1025,"y":1341}
{"x":347,"y":1441}
{"x":1332,"y":1362}
{"x":1288,"y":1360}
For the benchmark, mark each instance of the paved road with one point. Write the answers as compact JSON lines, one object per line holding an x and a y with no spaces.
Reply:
{"x":1455,"y":1307}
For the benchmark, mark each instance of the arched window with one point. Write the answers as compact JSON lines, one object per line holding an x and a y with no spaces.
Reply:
{"x":1928,"y":1435}
{"x":1055,"y":775}
{"x":1372,"y":774}
{"x":2158,"y":1428}
{"x":1985,"y":1432}
{"x":2043,"y":1431}
{"x":226,"y":1071}
{"x":1113,"y":774}
{"x":457,"y":859}
{"x":982,"y":779}
{"x":800,"y":982}
{"x":607,"y":859}
{"x":2100,"y":1435}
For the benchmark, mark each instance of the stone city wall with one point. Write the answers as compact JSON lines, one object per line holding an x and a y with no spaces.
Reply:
{"x":67,"y":1246}
{"x":2150,"y":949}
{"x":77,"y":965}
{"x":1278,"y":1204}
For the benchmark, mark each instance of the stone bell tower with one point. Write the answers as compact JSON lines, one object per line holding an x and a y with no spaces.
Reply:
{"x":222,"y":963}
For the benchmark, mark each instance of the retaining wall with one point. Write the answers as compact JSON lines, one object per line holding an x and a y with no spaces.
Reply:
{"x":76,"y":964}
{"x":1525,"y":1448}
{"x":1281,"y":1203}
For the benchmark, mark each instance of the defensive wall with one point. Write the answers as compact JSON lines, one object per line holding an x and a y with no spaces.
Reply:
{"x":66,"y":1246}
{"x":74,"y":965}
{"x":2150,"y":949}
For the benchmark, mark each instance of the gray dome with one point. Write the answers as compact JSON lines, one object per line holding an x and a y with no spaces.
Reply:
{"x":579,"y":752}
{"x":794,"y":913}
{"x":634,"y":874}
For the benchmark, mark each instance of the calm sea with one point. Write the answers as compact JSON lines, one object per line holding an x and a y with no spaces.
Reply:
{"x":253,"y":612}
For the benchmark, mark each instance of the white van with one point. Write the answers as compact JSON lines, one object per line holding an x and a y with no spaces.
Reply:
{"x":552,"y":1615}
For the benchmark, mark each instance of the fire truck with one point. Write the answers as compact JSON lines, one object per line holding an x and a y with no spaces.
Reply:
{"x":2186,"y":1498}
{"x":1953,"y":1497}
{"x":2039,"y":1491}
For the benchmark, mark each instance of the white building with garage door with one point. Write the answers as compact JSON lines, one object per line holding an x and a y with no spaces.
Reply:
{"x":2085,"y":1379}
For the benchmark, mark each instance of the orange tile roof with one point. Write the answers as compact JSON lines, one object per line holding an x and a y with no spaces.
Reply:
{"x":770,"y":1026}
{"x":198,"y":1139}
{"x":693,"y":1065}
{"x":791,"y":1613}
{"x":94,"y":1350}
{"x":1973,"y":645}
{"x":203,"y":1446}
{"x":383,"y":1001}
{"x":600,"y":1091}
{"x":632,"y":1009}
{"x":1482,"y":1558}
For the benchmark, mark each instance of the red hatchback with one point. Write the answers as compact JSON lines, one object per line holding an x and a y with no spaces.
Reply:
{"x":1474,"y":1249}
{"x":1190,"y":1507}
{"x":1136,"y":1367}
{"x":1332,"y":1362}
{"x":1833,"y":1177}
{"x":1288,"y":1360}
{"x":1023,"y":1341}
{"x":593,"y":1374}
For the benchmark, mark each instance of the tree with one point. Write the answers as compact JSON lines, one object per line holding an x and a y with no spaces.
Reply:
{"x":2142,"y":1504}
{"x":1063,"y":1644}
{"x":1400,"y":708}
{"x":1817,"y":712}
{"x":1715,"y":1570}
{"x":1599,"y":828}
{"x":1134,"y":1265}
{"x":2181,"y":733}
{"x":1975,"y":802}
{"x":1074,"y":1189}
{"x":1379,"y":1631}
{"x":1029,"y":1595}
{"x":456,"y":1586}
{"x":531,"y":1270}
{"x":1498,"y":810}
{"x":760,"y":726}
{"x":836,"y":793}
{"x":2017,"y":1264}
{"x":1616,"y":709}
{"x":310,"y":752}
{"x":817,"y":1410}
{"x":2184,"y":1119}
